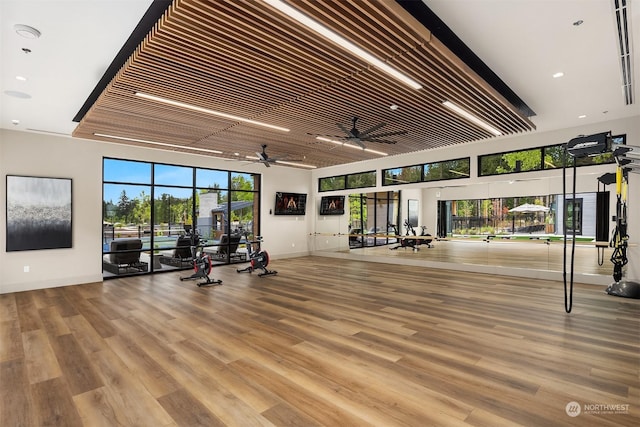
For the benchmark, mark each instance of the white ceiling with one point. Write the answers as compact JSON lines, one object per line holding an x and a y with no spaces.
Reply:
{"x":523,"y":41}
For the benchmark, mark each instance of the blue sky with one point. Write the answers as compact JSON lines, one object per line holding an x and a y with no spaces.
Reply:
{"x":128,"y":172}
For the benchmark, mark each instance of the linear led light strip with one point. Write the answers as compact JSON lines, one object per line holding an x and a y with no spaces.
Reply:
{"x":208,"y":111}
{"x":355,"y":147}
{"x":341,"y":41}
{"x":463,"y":113}
{"x":163,"y":144}
{"x":282,"y":162}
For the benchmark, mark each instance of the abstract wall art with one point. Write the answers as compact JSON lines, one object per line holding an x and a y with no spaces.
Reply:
{"x":38,"y":213}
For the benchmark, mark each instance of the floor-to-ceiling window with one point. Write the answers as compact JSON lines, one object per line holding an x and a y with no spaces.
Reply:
{"x":150,"y":210}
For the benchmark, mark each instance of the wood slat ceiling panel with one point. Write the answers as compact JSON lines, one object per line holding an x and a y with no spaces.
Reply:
{"x":247,"y":59}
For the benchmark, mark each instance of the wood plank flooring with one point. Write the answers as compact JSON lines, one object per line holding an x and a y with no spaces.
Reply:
{"x":326,"y":342}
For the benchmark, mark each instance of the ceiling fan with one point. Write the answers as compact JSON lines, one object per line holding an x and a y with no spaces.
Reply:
{"x":369,"y":135}
{"x":264,"y":158}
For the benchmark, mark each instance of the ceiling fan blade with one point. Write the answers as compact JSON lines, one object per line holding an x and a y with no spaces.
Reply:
{"x":381,"y":141}
{"x":345,"y":130}
{"x":261,"y":156}
{"x":372,"y":129}
{"x":382,"y":135}
{"x":358,"y":142}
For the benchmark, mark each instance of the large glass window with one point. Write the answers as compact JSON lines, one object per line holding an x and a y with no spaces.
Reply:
{"x":511,"y":162}
{"x":150,"y":209}
{"x":436,"y":171}
{"x":548,"y":157}
{"x":361,"y":180}
{"x":449,"y":169}
{"x":341,"y":182}
{"x":331,"y":183}
{"x":403,"y":175}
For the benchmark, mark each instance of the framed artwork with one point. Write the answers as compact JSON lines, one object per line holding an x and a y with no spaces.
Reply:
{"x":290,"y":204}
{"x":38,"y":213}
{"x":413,"y":212}
{"x":332,"y":205}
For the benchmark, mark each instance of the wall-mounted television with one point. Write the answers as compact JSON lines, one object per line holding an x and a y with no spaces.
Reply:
{"x":290,"y":204}
{"x":332,"y":205}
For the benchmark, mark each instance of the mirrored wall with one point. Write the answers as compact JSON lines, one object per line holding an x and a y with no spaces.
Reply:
{"x":454,"y":227}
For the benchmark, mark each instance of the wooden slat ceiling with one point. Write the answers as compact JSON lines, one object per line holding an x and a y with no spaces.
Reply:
{"x":247,"y":59}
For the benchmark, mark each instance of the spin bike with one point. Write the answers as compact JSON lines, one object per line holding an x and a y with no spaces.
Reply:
{"x":258,"y":259}
{"x":405,"y":242}
{"x":426,"y":240}
{"x":201,"y":261}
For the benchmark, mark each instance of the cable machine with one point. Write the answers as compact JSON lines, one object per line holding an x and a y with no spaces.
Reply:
{"x":620,"y":236}
{"x":584,"y":146}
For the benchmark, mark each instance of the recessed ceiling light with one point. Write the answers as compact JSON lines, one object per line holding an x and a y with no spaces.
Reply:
{"x":26,"y":31}
{"x":393,"y":107}
{"x":582,"y":116}
{"x":21,"y":78}
{"x":558,"y":74}
{"x":15,"y":122}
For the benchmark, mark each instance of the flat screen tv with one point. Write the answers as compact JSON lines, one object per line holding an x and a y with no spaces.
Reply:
{"x":332,"y":205}
{"x":290,"y":204}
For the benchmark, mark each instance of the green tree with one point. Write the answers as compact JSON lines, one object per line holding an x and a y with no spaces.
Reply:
{"x":332,"y":183}
{"x":529,"y":160}
{"x":361,"y":180}
{"x":124,"y":208}
{"x":141,"y":211}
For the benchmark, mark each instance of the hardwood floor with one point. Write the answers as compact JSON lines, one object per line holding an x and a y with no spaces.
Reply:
{"x":326,"y":342}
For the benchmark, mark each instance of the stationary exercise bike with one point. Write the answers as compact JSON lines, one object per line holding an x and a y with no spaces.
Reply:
{"x":201,"y":261}
{"x":424,"y":237}
{"x":258,"y":259}
{"x":405,"y":242}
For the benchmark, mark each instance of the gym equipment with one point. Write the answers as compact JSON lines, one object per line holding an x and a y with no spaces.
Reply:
{"x":620,"y":238}
{"x":581,"y":146}
{"x":405,"y":242}
{"x":423,"y":234}
{"x":201,"y":261}
{"x":258,"y":258}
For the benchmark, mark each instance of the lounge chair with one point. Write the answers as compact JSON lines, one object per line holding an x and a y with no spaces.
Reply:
{"x":181,"y":256}
{"x":228,"y":248}
{"x":125,"y":257}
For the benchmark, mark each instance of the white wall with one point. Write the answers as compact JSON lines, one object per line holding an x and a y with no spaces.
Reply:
{"x":34,"y":154}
